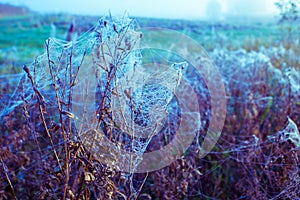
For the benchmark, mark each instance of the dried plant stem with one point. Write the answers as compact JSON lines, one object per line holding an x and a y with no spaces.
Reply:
{"x":26,"y":114}
{"x":70,"y":91}
{"x":41,"y":104}
{"x":142,"y":185}
{"x":50,"y":63}
{"x":7,"y":178}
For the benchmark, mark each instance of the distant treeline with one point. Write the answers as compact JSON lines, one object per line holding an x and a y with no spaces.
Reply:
{"x":8,"y":9}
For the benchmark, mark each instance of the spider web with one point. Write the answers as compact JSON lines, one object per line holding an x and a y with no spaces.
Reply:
{"x":97,"y":90}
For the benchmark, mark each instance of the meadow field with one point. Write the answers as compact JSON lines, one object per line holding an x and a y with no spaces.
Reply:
{"x":43,"y":154}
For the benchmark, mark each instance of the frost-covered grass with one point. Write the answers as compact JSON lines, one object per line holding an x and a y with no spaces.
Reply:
{"x":256,"y":157}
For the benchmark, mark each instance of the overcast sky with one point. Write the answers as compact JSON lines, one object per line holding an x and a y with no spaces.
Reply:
{"x":188,"y":9}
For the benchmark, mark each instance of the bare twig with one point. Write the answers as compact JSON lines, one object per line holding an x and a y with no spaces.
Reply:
{"x":50,"y":65}
{"x":7,"y":178}
{"x":41,"y":102}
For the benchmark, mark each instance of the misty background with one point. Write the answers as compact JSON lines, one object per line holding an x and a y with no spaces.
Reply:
{"x":174,"y":9}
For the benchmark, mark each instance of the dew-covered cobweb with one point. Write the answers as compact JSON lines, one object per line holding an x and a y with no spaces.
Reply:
{"x":96,"y":90}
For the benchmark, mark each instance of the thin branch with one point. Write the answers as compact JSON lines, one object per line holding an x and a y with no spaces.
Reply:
{"x":42,"y":103}
{"x":7,"y":178}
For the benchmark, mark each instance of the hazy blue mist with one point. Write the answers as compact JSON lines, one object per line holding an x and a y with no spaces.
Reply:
{"x":187,"y":9}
